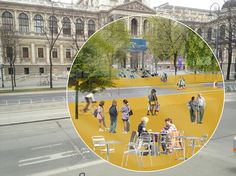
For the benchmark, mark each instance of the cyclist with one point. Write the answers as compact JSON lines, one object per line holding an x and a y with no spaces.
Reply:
{"x":89,"y":99}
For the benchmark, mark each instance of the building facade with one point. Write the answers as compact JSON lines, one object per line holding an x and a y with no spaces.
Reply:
{"x":35,"y":20}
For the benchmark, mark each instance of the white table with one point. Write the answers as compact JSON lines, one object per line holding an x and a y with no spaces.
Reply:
{"x":108,"y":143}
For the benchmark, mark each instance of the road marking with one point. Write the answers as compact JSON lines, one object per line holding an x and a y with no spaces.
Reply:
{"x":230,"y":100}
{"x":70,"y":168}
{"x":46,"y":158}
{"x":45,"y":146}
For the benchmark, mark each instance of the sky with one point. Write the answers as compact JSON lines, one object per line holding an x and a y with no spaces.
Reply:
{"x":202,"y":4}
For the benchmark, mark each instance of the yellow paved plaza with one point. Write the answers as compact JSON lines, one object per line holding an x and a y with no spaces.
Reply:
{"x":173,"y":106}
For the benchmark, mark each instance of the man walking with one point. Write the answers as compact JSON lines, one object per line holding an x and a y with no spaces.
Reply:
{"x":201,"y":103}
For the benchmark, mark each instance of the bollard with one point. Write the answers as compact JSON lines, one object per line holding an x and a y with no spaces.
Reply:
{"x":234,"y":145}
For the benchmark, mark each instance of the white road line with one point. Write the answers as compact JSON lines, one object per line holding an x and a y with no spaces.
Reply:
{"x":230,"y":100}
{"x":44,"y":158}
{"x":46,"y":146}
{"x":70,"y":168}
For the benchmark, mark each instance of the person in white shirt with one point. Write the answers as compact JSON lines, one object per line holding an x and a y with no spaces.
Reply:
{"x":201,"y":104}
{"x":89,"y":99}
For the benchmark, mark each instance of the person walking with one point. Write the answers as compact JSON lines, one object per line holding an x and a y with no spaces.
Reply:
{"x":201,"y":104}
{"x":192,"y":106}
{"x":113,"y":116}
{"x":125,"y":116}
{"x":152,"y":102}
{"x":101,"y":117}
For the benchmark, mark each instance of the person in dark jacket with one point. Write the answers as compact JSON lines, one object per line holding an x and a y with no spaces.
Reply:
{"x":142,"y":125}
{"x":192,"y":106}
{"x":113,"y":116}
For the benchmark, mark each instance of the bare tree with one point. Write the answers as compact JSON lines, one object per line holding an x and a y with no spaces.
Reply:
{"x":52,"y":34}
{"x":10,"y":42}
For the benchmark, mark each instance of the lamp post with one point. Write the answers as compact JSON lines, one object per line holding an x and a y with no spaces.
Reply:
{"x":215,"y":8}
{"x":1,"y":67}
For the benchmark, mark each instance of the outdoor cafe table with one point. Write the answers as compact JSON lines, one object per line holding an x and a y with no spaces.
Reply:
{"x":192,"y":139}
{"x":108,"y":143}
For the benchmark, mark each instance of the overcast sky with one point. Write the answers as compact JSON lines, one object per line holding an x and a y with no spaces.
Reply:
{"x":202,"y":4}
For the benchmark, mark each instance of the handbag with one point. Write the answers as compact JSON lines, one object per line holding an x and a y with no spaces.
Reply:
{"x":131,"y":113}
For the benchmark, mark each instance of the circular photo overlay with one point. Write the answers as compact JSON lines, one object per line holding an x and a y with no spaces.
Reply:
{"x":145,"y":93}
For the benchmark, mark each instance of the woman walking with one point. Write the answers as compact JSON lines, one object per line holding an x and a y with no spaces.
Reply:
{"x":125,"y":115}
{"x":101,"y":117}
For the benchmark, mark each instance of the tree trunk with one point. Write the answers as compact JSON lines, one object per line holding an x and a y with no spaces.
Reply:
{"x":175,"y":60}
{"x":155,"y":59}
{"x":12,"y":79}
{"x":50,"y":68}
{"x":76,"y":100}
{"x":14,"y":74}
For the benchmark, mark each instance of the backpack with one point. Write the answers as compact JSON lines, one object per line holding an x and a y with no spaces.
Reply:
{"x":95,"y":113}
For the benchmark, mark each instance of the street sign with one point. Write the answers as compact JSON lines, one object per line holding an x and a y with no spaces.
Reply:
{"x":138,"y":45}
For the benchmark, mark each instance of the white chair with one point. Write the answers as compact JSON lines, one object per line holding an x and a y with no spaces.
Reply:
{"x":133,"y":148}
{"x":97,"y":142}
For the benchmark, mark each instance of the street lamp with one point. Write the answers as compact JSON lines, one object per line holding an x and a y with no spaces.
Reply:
{"x":1,"y":67}
{"x":215,"y":8}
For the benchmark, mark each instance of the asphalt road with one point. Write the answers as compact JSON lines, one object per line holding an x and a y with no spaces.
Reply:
{"x":53,"y":148}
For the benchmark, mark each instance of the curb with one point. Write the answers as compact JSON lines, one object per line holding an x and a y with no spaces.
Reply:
{"x":34,"y":121}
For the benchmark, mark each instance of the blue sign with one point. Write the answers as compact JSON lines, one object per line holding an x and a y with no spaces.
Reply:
{"x":138,"y":45}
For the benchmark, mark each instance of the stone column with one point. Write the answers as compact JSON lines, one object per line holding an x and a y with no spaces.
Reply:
{"x":31,"y":23}
{"x":61,"y":54}
{"x":86,"y":28}
{"x":16,"y":21}
{"x":140,"y":23}
{"x":33,"y":53}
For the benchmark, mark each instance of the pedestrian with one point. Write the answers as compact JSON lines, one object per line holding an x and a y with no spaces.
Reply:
{"x":192,"y":106}
{"x":125,"y":116}
{"x":181,"y":84}
{"x":152,"y":103}
{"x":101,"y":117}
{"x":113,"y":116}
{"x":201,"y":104}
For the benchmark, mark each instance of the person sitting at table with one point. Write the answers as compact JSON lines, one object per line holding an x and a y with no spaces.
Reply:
{"x":142,"y":125}
{"x":166,"y":132}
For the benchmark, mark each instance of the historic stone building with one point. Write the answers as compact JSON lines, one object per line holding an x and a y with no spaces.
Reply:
{"x":212,"y":25}
{"x":35,"y":20}
{"x":77,"y":20}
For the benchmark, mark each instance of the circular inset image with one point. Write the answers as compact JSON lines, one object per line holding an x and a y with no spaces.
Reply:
{"x":145,"y":93}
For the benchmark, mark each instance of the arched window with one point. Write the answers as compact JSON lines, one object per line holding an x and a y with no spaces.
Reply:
{"x":79,"y":27}
{"x":209,"y":34}
{"x":66,"y":26}
{"x":38,"y":24}
{"x":199,"y":31}
{"x":23,"y":23}
{"x":222,"y":31}
{"x":91,"y":27}
{"x":7,"y":20}
{"x":134,"y":27}
{"x":52,"y":24}
{"x":145,"y":26}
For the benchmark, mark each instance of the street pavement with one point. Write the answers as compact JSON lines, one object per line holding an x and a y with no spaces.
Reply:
{"x":53,"y":148}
